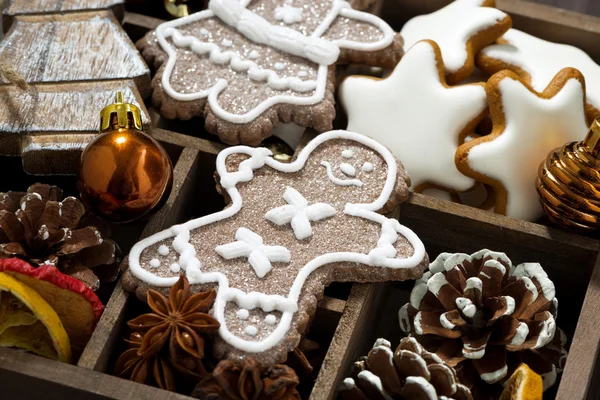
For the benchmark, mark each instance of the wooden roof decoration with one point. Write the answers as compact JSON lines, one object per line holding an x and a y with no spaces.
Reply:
{"x":75,"y":56}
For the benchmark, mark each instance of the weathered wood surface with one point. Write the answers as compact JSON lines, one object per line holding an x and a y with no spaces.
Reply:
{"x":18,"y":7}
{"x":72,"y":47}
{"x":74,"y":64}
{"x":58,"y":118}
{"x":26,"y":376}
{"x":579,"y":379}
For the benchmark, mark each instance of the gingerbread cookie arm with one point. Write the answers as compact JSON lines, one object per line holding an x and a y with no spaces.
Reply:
{"x":526,"y":126}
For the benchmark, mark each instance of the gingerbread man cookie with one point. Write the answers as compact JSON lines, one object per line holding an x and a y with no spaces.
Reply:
{"x":461,"y":29}
{"x":417,"y":116}
{"x":291,"y":229}
{"x":537,"y":61}
{"x":248,"y":66}
{"x":527,"y":126}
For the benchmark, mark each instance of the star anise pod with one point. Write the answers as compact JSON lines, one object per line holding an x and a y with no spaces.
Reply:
{"x":244,"y":381}
{"x":152,"y":369}
{"x":181,"y":320}
{"x":41,"y":227}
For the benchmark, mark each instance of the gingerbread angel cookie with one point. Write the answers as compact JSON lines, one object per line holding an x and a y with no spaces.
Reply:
{"x":290,"y":229}
{"x":247,"y":66}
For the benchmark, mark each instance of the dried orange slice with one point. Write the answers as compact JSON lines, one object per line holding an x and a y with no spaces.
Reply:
{"x":524,"y":384}
{"x":27,"y":321}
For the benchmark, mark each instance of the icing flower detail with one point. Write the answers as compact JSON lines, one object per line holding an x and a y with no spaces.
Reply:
{"x":250,"y":245}
{"x":480,"y":312}
{"x":299,"y":213}
{"x":288,"y":14}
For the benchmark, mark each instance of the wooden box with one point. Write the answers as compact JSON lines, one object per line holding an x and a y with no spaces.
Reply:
{"x":350,"y":317}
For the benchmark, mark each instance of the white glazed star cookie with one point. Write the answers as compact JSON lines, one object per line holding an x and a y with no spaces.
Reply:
{"x":537,"y":61}
{"x":527,"y":126}
{"x":461,"y":29}
{"x":417,"y":116}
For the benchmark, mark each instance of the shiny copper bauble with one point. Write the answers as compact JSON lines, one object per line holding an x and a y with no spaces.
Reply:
{"x":569,"y":183}
{"x":124,"y":175}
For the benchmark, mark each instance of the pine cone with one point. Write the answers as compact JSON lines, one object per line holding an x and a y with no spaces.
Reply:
{"x":245,"y":381}
{"x":411,"y":372}
{"x":484,"y":316}
{"x":39,"y":228}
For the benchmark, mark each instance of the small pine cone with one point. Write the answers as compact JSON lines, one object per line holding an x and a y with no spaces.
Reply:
{"x":411,"y":372}
{"x":39,"y":228}
{"x":484,"y":316}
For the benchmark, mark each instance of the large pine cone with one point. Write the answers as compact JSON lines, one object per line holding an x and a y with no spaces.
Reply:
{"x":485,"y":316}
{"x":411,"y":372}
{"x":39,"y":228}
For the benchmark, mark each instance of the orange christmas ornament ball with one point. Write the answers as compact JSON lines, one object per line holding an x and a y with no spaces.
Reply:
{"x":124,"y":173}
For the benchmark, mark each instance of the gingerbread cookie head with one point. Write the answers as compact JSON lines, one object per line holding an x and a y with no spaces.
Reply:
{"x":290,"y":230}
{"x":248,"y":65}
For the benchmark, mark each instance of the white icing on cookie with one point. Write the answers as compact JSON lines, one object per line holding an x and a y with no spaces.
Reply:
{"x":251,"y":330}
{"x":250,"y":245}
{"x":279,"y":66}
{"x":534,"y":127}
{"x":339,"y":181}
{"x":259,"y":30}
{"x":288,"y":14}
{"x":175,"y":268}
{"x":243,"y":314}
{"x":299,"y":213}
{"x":391,"y":111}
{"x":155,"y":263}
{"x":542,"y":60}
{"x":226,"y":43}
{"x":302,"y":74}
{"x":287,"y":305}
{"x":347,"y":154}
{"x":367,"y":167}
{"x":270,"y":319}
{"x":348,"y":169}
{"x":451,"y":28}
{"x":163,"y":250}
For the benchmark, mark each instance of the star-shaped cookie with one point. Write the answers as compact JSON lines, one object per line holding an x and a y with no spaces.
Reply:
{"x":417,"y":116}
{"x":537,"y":61}
{"x":527,"y":126}
{"x":461,"y":29}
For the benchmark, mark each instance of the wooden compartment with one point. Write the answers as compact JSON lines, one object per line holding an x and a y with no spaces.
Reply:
{"x":350,"y":317}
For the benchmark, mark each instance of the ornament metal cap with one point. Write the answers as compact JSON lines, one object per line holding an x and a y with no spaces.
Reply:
{"x":128,"y":116}
{"x":592,"y":140}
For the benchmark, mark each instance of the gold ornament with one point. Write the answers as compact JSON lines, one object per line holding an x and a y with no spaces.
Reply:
{"x":182,"y":8}
{"x":124,"y":173}
{"x":569,"y":183}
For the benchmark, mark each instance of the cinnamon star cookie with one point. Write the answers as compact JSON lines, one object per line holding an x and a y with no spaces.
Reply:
{"x":537,"y":61}
{"x":248,"y":66}
{"x":461,"y":29}
{"x":290,"y":230}
{"x":527,"y":126}
{"x":417,"y":116}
